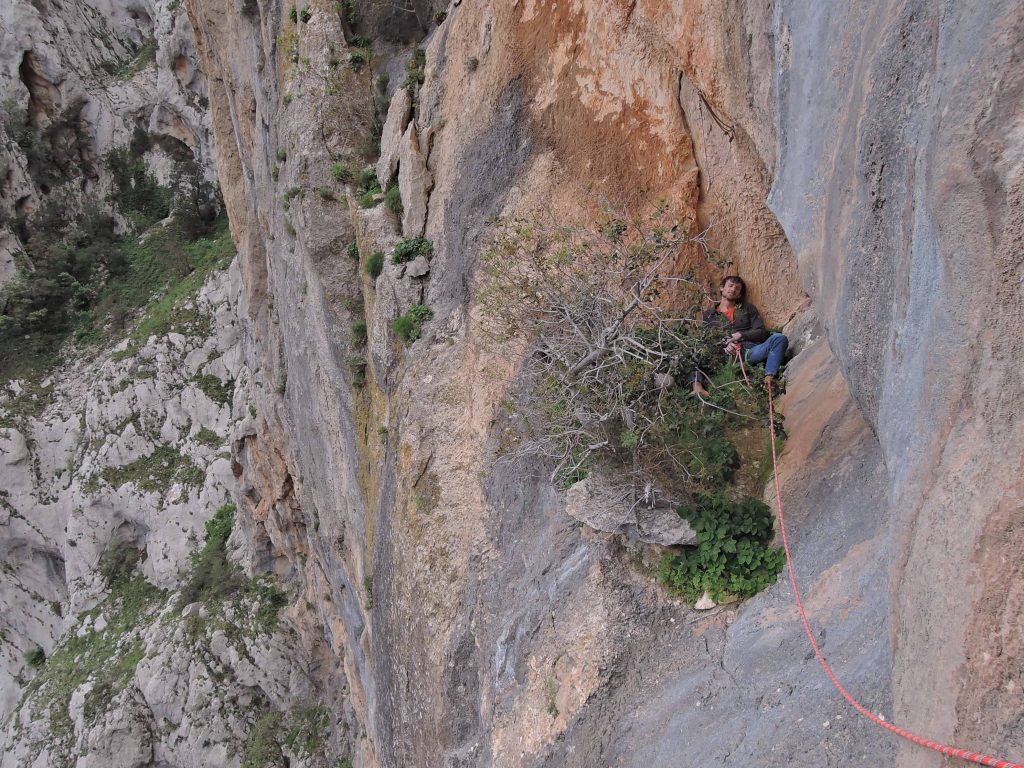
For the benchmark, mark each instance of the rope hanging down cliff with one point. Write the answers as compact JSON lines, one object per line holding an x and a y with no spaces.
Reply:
{"x":963,"y":754}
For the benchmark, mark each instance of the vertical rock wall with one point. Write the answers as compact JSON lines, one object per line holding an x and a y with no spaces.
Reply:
{"x":899,"y":182}
{"x":500,"y":633}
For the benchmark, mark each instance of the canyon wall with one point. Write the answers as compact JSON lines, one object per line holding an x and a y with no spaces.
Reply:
{"x":860,"y":164}
{"x":487,"y":602}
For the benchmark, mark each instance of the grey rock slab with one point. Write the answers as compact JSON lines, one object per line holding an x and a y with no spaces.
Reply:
{"x":399,"y":113}
{"x":415,"y":183}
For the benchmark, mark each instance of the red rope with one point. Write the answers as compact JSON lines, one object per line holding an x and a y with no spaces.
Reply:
{"x":739,"y":356}
{"x":973,"y":757}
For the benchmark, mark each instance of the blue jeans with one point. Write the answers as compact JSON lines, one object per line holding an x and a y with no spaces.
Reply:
{"x":771,"y":351}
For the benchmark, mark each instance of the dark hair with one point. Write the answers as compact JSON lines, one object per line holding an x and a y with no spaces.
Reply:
{"x":737,"y":279}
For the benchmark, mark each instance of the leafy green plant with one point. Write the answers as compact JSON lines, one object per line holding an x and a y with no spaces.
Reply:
{"x":282,"y":154}
{"x":209,"y":438}
{"x":306,"y":15}
{"x":393,"y":199}
{"x":144,"y":56}
{"x":220,"y":392}
{"x":213,"y":576}
{"x":156,"y":471}
{"x":353,"y":250}
{"x":375,"y":264}
{"x":35,"y":657}
{"x":410,"y":248}
{"x":358,"y":58}
{"x":734,"y":555}
{"x":415,"y":69}
{"x":409,"y":326}
{"x":348,"y":12}
{"x":357,"y":369}
{"x":360,"y":41}
{"x":342,"y":172}
{"x":359,"y":334}
{"x":367,"y":180}
{"x":136,"y":190}
{"x":293,"y":14}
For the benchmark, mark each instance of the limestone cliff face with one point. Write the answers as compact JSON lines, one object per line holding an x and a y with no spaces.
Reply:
{"x":84,"y":78}
{"x":860,"y":163}
{"x":899,"y":181}
{"x":880,"y":141}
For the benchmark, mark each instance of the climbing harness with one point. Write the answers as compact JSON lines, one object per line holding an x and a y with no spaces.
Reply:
{"x":963,"y":754}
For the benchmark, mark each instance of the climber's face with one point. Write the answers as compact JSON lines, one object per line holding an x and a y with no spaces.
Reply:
{"x":732,"y":290}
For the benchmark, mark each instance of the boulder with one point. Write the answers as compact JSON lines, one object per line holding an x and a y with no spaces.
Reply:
{"x":610,"y":508}
{"x":418,"y":267}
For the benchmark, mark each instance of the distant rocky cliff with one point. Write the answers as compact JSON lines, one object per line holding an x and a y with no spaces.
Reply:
{"x":861,"y":164}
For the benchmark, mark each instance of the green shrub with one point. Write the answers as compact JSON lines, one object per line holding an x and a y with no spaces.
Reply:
{"x":289,"y":228}
{"x":293,"y":14}
{"x":360,"y":41}
{"x":118,"y":563}
{"x":347,"y":11}
{"x":734,"y":555}
{"x":209,"y":438}
{"x":342,"y":172}
{"x":282,"y":154}
{"x":156,"y":471}
{"x":35,"y":657}
{"x":357,"y":59}
{"x":220,"y":392}
{"x":359,"y":335}
{"x":213,"y":576}
{"x":353,"y":250}
{"x":415,"y":69}
{"x":326,"y":195}
{"x":144,"y":56}
{"x":410,"y":325}
{"x":383,"y":80}
{"x":393,"y":199}
{"x":306,"y":15}
{"x":367,"y":180}
{"x":439,"y":17}
{"x":357,"y":368}
{"x":196,"y":203}
{"x":368,"y":199}
{"x":375,"y":264}
{"x":263,"y":747}
{"x":136,"y":190}
{"x":410,"y":248}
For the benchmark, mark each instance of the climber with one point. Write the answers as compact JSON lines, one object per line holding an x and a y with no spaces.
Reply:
{"x":746,"y":330}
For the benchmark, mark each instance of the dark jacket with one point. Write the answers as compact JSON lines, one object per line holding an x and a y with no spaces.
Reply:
{"x":746,"y":319}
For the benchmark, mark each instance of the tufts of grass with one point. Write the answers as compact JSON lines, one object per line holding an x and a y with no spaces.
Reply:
{"x":157,"y":471}
{"x":409,"y":326}
{"x":375,"y":264}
